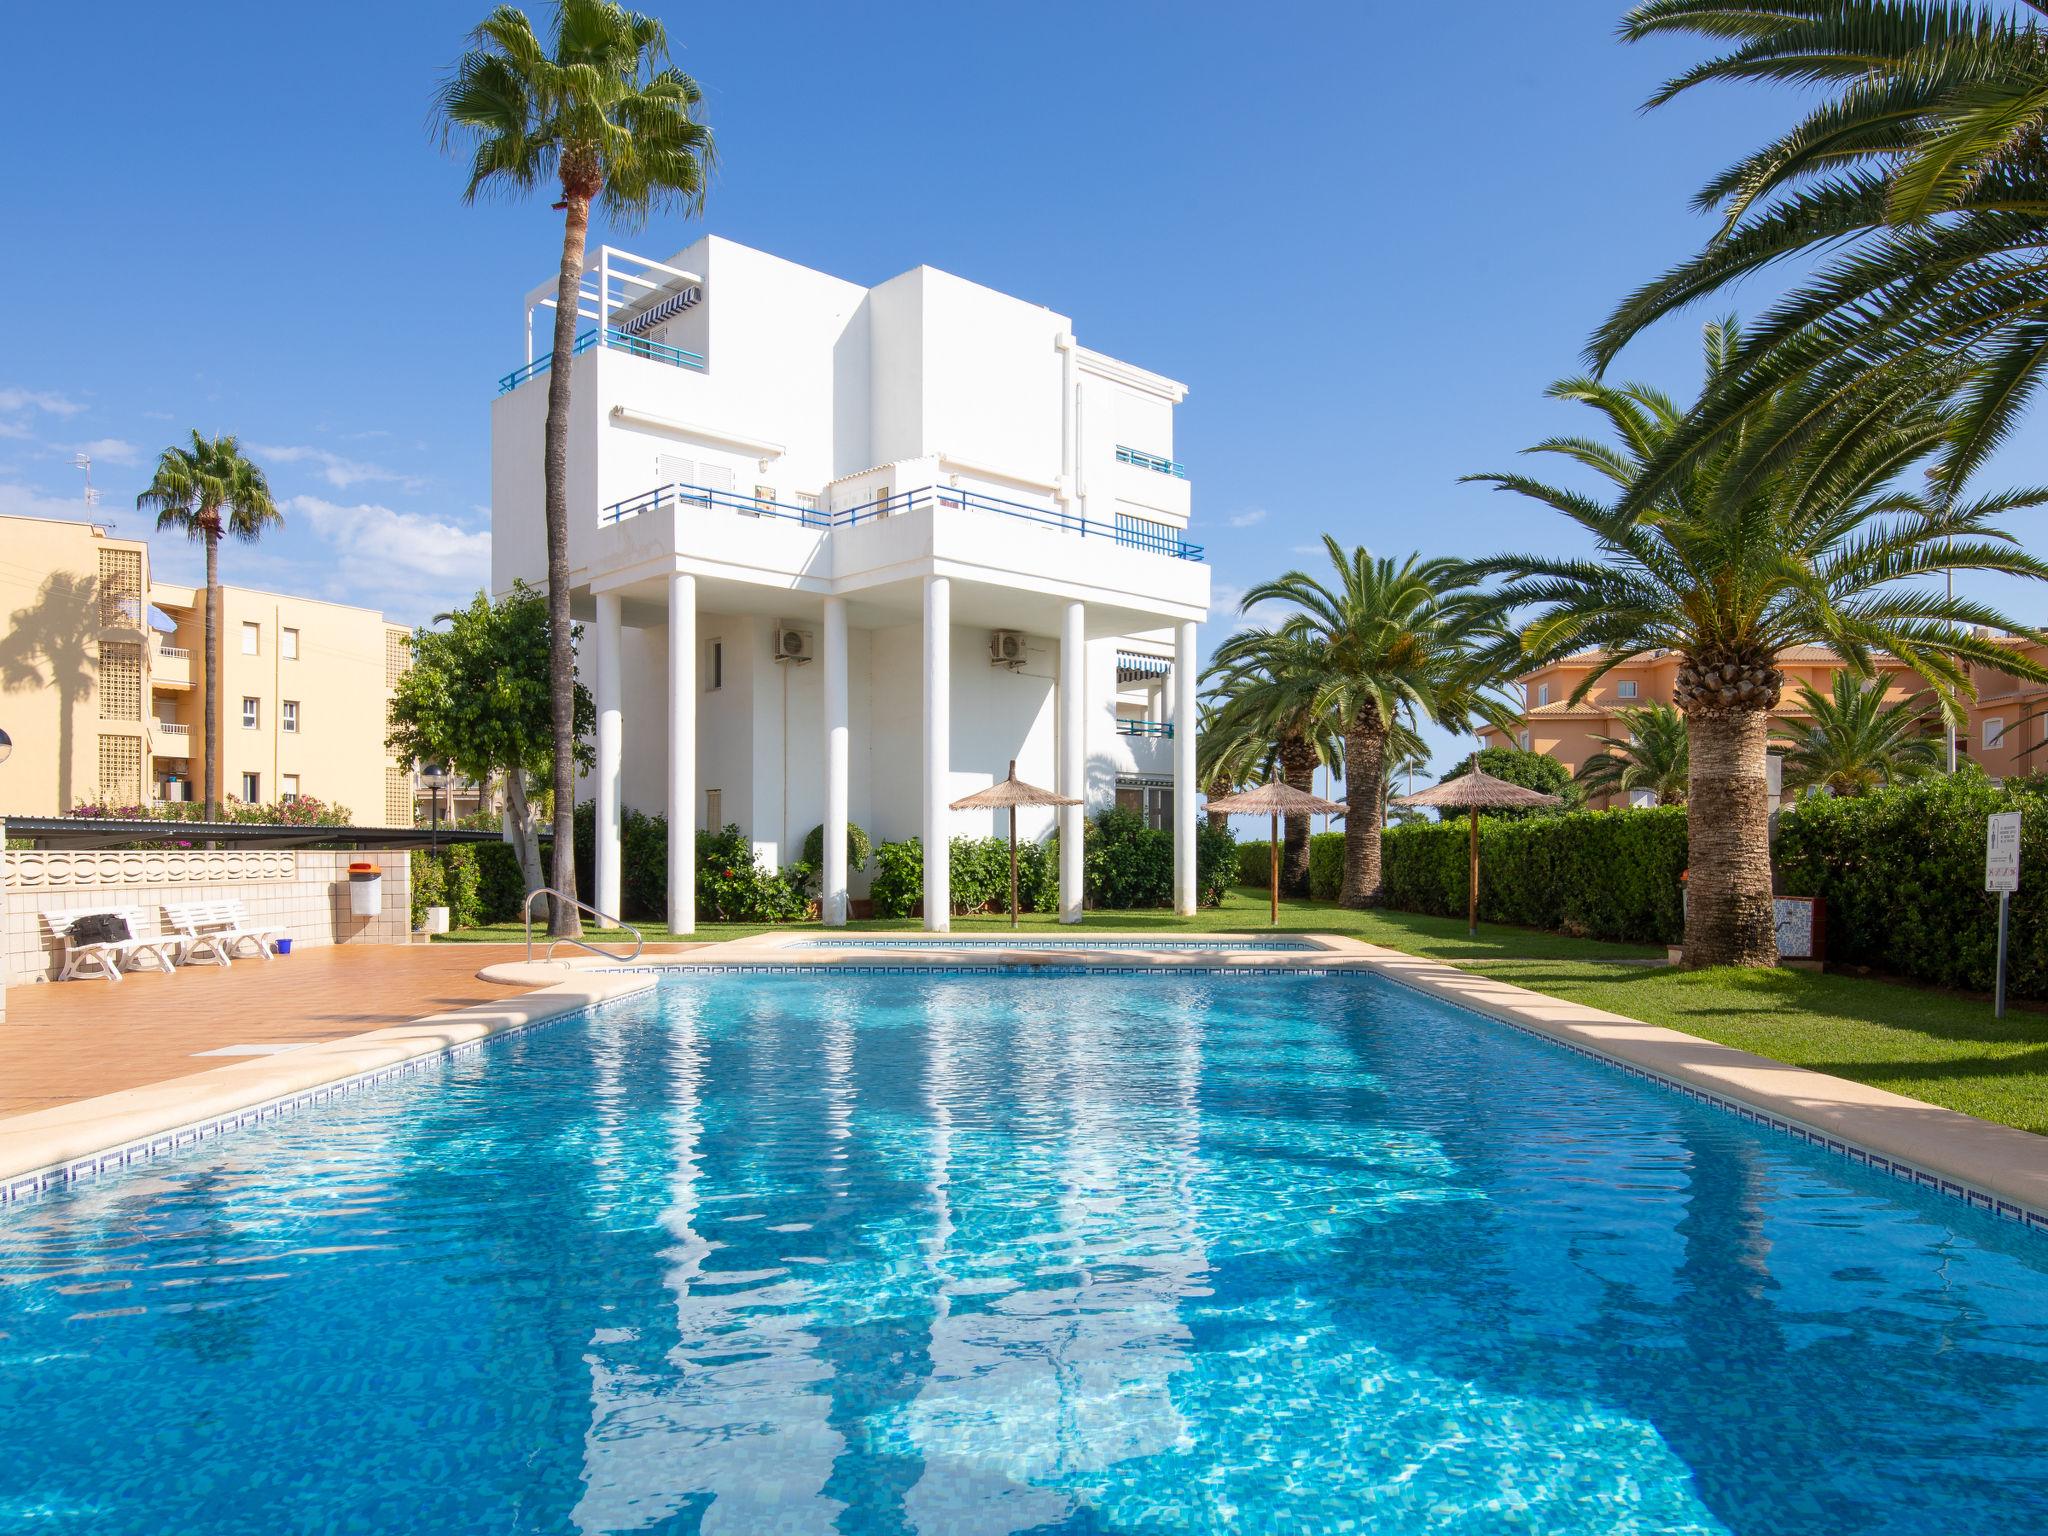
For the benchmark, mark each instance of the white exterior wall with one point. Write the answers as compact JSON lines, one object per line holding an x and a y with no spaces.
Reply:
{"x":817,"y":387}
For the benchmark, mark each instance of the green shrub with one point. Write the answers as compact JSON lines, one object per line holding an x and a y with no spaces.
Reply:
{"x":447,"y":877}
{"x":1128,"y":864}
{"x":1038,"y":875}
{"x":643,"y":862}
{"x":1326,"y":864}
{"x":1215,"y":863}
{"x":501,"y":889}
{"x":1255,"y":863}
{"x":1902,"y":873}
{"x":858,"y":849}
{"x":899,"y":878}
{"x":1596,"y":874}
{"x":733,"y":887}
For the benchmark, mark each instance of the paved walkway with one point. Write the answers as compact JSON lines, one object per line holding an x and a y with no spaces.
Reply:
{"x":63,"y":1041}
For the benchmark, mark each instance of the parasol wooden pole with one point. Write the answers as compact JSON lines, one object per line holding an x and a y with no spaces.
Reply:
{"x":1472,"y":884}
{"x":1274,"y":847}
{"x":1013,"y":852}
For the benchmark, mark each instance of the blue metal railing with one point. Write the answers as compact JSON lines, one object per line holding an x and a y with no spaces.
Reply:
{"x":1145,"y":728}
{"x":622,"y":341}
{"x":1151,"y":461}
{"x":945,"y":497}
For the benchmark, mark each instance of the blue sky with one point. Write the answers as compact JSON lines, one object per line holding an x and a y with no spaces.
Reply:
{"x":1366,"y":237}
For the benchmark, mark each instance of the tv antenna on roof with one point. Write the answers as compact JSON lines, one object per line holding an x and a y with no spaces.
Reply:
{"x":83,"y":461}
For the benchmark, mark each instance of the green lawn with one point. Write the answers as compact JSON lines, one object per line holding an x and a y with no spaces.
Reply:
{"x":1441,"y":938}
{"x":1938,"y":1046}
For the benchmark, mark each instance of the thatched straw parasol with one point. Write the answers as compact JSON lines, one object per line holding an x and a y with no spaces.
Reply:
{"x":1276,"y":800}
{"x":1007,"y":796}
{"x":1475,"y":792}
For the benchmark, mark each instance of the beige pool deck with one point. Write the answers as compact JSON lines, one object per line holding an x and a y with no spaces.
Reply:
{"x":158,"y":1095}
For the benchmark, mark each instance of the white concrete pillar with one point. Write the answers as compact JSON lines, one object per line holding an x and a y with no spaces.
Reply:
{"x":938,"y":757}
{"x":832,"y":899}
{"x":610,"y":745}
{"x":1073,"y":753}
{"x":682,"y":753}
{"x":1184,"y":718}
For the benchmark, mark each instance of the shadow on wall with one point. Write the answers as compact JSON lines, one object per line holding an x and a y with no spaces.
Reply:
{"x":50,"y":645}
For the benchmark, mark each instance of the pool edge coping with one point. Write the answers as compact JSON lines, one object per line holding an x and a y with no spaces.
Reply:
{"x":46,"y":1148}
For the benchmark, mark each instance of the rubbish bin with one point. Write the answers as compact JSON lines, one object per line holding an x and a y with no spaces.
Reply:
{"x":365,"y":890}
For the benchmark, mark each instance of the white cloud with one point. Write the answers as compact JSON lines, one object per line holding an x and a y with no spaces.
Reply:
{"x":337,"y":471}
{"x":18,"y":500}
{"x":1247,"y":519}
{"x":406,"y":563}
{"x":17,"y":404}
{"x":109,"y":450}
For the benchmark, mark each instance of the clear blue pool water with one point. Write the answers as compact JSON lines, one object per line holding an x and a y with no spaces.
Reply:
{"x":977,"y":1254}
{"x":1029,"y":940}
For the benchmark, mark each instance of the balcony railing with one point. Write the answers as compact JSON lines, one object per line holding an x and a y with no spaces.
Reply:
{"x":172,"y":728}
{"x":1145,"y":728}
{"x":173,"y":653}
{"x":1151,"y":461}
{"x":622,"y":341}
{"x":943,"y":496}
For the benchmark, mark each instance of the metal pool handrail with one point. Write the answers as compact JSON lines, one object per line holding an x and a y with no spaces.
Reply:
{"x":639,"y":943}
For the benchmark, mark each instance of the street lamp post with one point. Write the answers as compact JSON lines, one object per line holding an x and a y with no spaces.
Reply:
{"x":435,"y":775}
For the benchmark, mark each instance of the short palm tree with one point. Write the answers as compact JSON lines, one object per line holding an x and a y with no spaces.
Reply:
{"x":1226,"y":764}
{"x":1731,"y":569}
{"x":1268,"y":687}
{"x":1854,"y":741}
{"x":1919,"y":183}
{"x":211,"y":491}
{"x":1651,"y":756}
{"x":1397,"y":639}
{"x":597,"y":112}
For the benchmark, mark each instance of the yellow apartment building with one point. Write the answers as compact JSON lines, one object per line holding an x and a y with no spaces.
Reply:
{"x":101,"y":685}
{"x":1552,"y":724}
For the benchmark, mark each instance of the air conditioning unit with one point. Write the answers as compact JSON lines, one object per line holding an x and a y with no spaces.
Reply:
{"x":791,"y":643}
{"x":1005,"y":648}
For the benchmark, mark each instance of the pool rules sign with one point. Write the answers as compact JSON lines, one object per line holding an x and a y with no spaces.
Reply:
{"x":2002,"y":875}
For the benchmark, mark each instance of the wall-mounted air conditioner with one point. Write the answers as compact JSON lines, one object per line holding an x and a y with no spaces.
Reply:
{"x":791,"y":643}
{"x":1005,"y":648}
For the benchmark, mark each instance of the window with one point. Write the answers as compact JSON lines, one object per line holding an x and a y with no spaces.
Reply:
{"x":714,"y":809}
{"x":288,"y":720}
{"x":1524,"y":740}
{"x":1150,"y":799}
{"x":288,"y":644}
{"x":1994,"y":733}
{"x":252,"y":789}
{"x":251,"y":638}
{"x":764,"y":498}
{"x":251,"y":714}
{"x":714,"y":668}
{"x":1626,"y":688}
{"x":290,"y":791}
{"x":1543,"y":693}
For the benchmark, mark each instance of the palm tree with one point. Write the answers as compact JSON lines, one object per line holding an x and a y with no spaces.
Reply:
{"x":1918,"y":181}
{"x":1729,"y":570}
{"x":1397,"y":638}
{"x":1225,"y":765}
{"x":210,"y":491}
{"x":1854,"y":741}
{"x":599,"y":113}
{"x":1270,"y":709}
{"x":1652,"y":756}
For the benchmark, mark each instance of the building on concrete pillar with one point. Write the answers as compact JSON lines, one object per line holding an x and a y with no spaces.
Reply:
{"x":794,"y":468}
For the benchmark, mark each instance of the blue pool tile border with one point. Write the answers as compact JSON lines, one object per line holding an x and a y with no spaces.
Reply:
{"x":30,"y":1185}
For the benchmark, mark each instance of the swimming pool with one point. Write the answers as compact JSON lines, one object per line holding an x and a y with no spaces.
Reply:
{"x":939,"y":1253}
{"x":1031,"y":940}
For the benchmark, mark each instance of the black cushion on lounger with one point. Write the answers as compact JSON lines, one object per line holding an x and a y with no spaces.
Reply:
{"x":100,"y":928}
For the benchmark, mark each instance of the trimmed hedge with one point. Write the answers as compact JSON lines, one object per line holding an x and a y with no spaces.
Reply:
{"x":1326,"y":865}
{"x":1594,"y":874}
{"x":1125,"y":864}
{"x":477,"y":882}
{"x":1902,"y":872}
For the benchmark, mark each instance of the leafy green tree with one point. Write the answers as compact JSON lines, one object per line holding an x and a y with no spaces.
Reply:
{"x":1653,"y":756}
{"x":1853,"y":741}
{"x":1397,"y":637}
{"x":1514,"y":765}
{"x":1915,"y":191}
{"x":597,"y":112}
{"x":211,"y":491}
{"x":1729,"y":570}
{"x":1270,"y":708}
{"x":477,"y":699}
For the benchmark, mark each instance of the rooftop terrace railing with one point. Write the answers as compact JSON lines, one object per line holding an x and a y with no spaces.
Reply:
{"x":944,"y":497}
{"x":1162,"y":728}
{"x":618,"y":340}
{"x":1151,"y":461}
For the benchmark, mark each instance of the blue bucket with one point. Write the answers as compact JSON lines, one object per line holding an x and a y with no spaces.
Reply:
{"x":284,"y":946}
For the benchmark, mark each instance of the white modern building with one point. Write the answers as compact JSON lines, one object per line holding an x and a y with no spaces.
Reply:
{"x":845,"y":552}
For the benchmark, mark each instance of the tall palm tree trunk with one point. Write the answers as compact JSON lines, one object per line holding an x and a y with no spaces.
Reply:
{"x":210,"y":676}
{"x":555,"y":471}
{"x":1298,"y":770}
{"x":1218,"y":787}
{"x":1729,"y":917}
{"x":1365,"y":749}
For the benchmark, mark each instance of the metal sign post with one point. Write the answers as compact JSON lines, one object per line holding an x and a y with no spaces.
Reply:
{"x":2002,"y":874}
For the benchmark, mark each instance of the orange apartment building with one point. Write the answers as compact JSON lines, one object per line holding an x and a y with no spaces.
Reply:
{"x":1550,"y":723}
{"x":2010,"y":717}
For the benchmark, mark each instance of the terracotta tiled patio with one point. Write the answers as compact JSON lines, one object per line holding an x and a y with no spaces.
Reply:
{"x":72,"y":1040}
